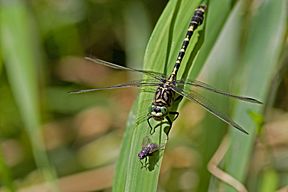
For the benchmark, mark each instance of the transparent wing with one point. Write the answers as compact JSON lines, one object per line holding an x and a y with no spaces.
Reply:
{"x":146,"y":141}
{"x":193,"y":96}
{"x":155,"y":75}
{"x":142,"y":118}
{"x":205,"y":86}
{"x":137,"y":83}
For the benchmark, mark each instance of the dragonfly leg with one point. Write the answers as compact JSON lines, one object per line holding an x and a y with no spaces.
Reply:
{"x":174,"y":113}
{"x":158,"y":125}
{"x":152,"y":130}
{"x":167,"y":129}
{"x":179,"y":97}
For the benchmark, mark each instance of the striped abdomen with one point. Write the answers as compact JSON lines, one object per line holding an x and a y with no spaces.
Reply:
{"x":196,"y":21}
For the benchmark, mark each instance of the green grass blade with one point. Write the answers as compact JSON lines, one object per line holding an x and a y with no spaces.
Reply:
{"x":160,"y":56}
{"x":218,"y":11}
{"x":1,"y":63}
{"x":269,"y":180}
{"x":259,"y":60}
{"x":21,"y":56}
{"x":218,"y":71}
{"x":6,"y":176}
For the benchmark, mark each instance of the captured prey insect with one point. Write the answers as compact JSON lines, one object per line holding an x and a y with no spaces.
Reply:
{"x":169,"y":89}
{"x":148,"y":149}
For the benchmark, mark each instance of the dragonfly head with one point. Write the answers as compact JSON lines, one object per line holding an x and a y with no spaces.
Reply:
{"x":158,"y":112}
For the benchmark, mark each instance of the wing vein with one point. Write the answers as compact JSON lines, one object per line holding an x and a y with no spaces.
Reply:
{"x":202,"y":101}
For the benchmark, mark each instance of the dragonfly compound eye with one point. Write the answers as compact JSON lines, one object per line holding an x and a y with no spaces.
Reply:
{"x":151,"y":108}
{"x":163,"y":110}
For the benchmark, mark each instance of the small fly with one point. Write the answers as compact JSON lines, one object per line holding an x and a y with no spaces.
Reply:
{"x":148,"y":149}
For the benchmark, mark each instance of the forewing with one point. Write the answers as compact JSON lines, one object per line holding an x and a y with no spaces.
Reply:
{"x":155,"y":75}
{"x":137,"y":83}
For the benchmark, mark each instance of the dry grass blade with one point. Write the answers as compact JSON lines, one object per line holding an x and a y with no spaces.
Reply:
{"x":220,"y":174}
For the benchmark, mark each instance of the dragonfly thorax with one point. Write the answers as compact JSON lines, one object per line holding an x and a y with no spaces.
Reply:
{"x":163,"y":99}
{"x":164,"y":95}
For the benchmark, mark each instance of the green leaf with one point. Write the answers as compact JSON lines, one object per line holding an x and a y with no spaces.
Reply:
{"x":269,"y":180}
{"x":265,"y":37}
{"x":160,"y":56}
{"x":223,"y":31}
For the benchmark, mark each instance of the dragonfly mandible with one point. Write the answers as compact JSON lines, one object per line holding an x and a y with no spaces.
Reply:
{"x":168,"y":87}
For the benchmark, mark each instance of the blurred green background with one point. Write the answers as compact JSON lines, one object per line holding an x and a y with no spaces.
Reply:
{"x":48,"y":135}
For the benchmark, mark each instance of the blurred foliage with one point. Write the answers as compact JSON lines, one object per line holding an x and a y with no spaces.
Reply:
{"x":47,"y":134}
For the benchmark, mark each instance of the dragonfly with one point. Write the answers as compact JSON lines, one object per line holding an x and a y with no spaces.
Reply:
{"x":148,"y":149}
{"x":169,"y":89}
